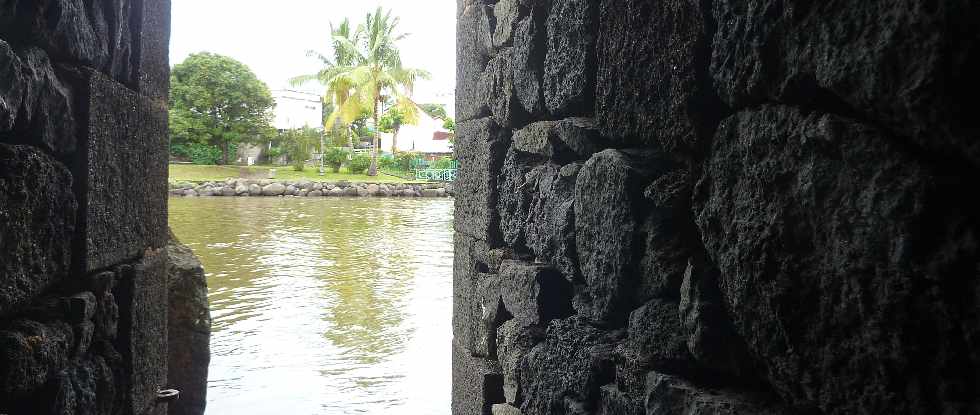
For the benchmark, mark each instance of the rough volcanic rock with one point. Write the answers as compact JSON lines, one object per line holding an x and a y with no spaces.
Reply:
{"x":669,"y":395}
{"x":477,"y":383}
{"x":561,"y":141}
{"x":569,"y":65}
{"x":141,"y":292}
{"x":505,"y":13}
{"x":37,"y":222}
{"x":652,"y":82}
{"x":32,"y":352}
{"x":517,"y":188}
{"x":909,"y":68}
{"x":847,"y":265}
{"x":471,"y":257}
{"x":273,"y":189}
{"x":564,"y":372}
{"x":499,"y":87}
{"x":152,"y":57}
{"x":189,"y":330}
{"x":528,"y":63}
{"x":480,"y":147}
{"x":473,"y":44}
{"x":534,"y":294}
{"x":514,"y":341}
{"x":657,"y":339}
{"x":550,"y":231}
{"x":124,"y":132}
{"x":606,"y":198}
{"x":34,"y":101}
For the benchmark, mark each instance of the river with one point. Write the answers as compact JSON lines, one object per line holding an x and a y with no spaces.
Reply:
{"x":325,"y":305}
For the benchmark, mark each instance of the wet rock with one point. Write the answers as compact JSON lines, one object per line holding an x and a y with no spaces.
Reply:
{"x":908,"y":68}
{"x":499,"y":87}
{"x":821,"y":228}
{"x":254,"y":189}
{"x":290,"y":190}
{"x":335,"y":192}
{"x":37,"y":222}
{"x":652,"y":83}
{"x":569,"y":66}
{"x":374,"y":190}
{"x":228,"y":191}
{"x":314,"y":193}
{"x":189,"y":329}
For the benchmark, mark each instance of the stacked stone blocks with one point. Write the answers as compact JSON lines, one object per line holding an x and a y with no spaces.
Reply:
{"x":716,"y":207}
{"x":83,"y":116}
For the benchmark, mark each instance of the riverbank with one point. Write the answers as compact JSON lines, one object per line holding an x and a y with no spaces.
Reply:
{"x":202,"y":173}
{"x":306,"y":188}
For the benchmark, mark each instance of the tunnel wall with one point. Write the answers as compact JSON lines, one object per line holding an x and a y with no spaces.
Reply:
{"x":717,"y":207}
{"x":83,"y":210}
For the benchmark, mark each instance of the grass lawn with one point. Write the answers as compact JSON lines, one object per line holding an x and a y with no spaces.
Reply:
{"x":198,"y":173}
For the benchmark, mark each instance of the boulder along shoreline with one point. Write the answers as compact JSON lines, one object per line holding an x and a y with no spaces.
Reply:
{"x":271,"y":187}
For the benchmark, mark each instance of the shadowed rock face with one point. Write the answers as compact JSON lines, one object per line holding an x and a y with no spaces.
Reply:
{"x":189,"y":329}
{"x":753,"y":207}
{"x":83,"y":142}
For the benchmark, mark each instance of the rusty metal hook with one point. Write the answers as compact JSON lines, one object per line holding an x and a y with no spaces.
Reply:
{"x":167,"y":395}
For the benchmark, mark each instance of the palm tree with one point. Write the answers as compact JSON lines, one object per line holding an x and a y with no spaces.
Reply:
{"x":338,"y":90}
{"x":370,"y":72}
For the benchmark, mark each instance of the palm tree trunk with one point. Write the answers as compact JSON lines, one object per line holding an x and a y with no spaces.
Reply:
{"x":394,"y":141}
{"x":373,"y":169}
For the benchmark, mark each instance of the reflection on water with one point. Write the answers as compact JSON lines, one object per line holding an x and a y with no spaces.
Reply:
{"x":327,"y":305}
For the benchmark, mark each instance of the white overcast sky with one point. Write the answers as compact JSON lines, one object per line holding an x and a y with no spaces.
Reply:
{"x":272,"y":37}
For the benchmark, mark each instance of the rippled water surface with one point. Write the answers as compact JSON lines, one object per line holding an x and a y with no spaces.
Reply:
{"x":326,"y":305}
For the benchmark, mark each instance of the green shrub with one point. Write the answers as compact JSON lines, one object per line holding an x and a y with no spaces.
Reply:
{"x":403,"y":161}
{"x":359,"y":163}
{"x":387,"y":162}
{"x":444,"y":163}
{"x":198,"y":153}
{"x":335,"y":157}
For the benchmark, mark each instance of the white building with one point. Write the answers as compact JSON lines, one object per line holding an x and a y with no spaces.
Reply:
{"x":297,"y":109}
{"x":427,"y":136}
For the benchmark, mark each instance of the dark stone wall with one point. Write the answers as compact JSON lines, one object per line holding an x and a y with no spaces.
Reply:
{"x":717,"y":207}
{"x":83,"y":182}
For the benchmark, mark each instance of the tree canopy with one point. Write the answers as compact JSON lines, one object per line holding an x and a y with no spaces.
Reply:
{"x":366,"y":70}
{"x":218,"y":101}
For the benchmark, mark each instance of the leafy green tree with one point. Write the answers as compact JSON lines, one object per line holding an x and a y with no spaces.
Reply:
{"x":218,"y":101}
{"x":374,"y":71}
{"x":392,"y":121}
{"x":335,"y":157}
{"x":437,"y":111}
{"x":298,"y":145}
{"x":449,"y":125}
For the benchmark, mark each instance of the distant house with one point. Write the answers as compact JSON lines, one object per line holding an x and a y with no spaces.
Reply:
{"x":294,"y":109}
{"x":297,"y":109}
{"x":427,"y":136}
